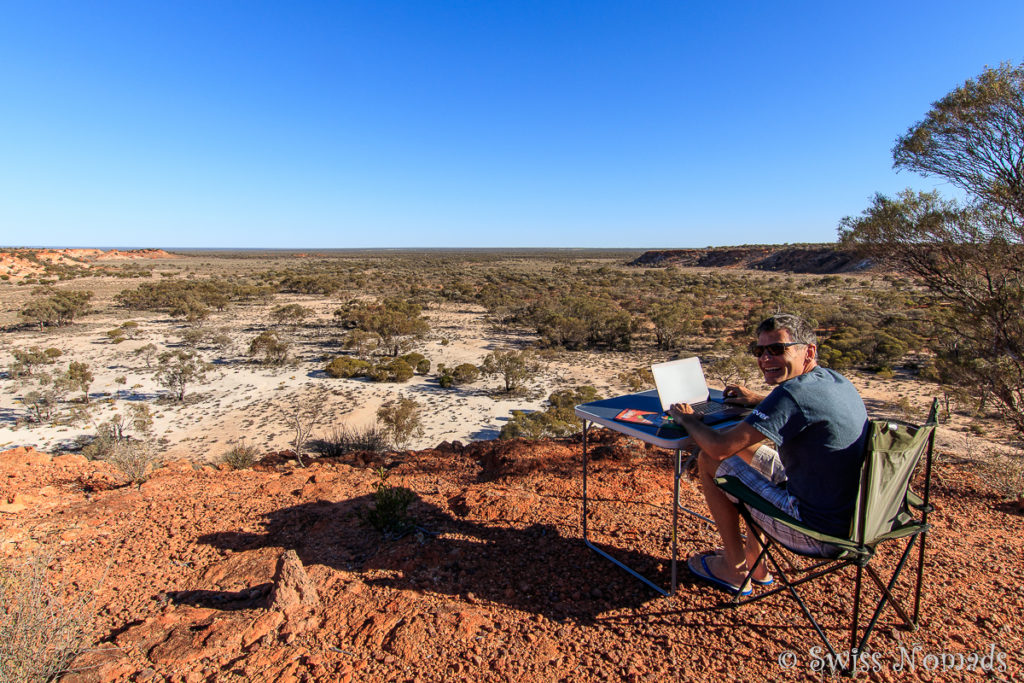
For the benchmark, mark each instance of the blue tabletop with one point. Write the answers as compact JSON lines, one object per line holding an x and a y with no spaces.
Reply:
{"x":603,"y":413}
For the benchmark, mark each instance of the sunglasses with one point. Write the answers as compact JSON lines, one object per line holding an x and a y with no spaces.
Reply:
{"x":776,"y":349}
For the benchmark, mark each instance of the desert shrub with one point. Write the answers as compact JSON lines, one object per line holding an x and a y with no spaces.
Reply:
{"x":134,"y":459}
{"x":400,"y":419}
{"x":116,"y":335}
{"x":396,"y":370}
{"x":418,"y":361}
{"x":390,"y":506}
{"x":362,"y":342}
{"x":59,"y":308}
{"x":344,"y":439}
{"x":343,"y":366}
{"x":303,"y":416}
{"x":464,"y":373}
{"x":25,"y":360}
{"x":558,"y":419}
{"x":395,"y":322}
{"x":291,"y":314}
{"x":637,"y":379}
{"x":78,"y":376}
{"x":42,"y":403}
{"x":269,"y":349}
{"x":40,"y":632}
{"x":576,"y":322}
{"x":147,"y":353}
{"x":241,"y":456}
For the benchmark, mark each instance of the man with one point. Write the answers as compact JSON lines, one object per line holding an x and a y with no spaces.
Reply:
{"x":818,"y":420}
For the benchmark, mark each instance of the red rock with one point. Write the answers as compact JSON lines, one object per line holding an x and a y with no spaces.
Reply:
{"x":70,"y":460}
{"x":258,"y":629}
{"x":99,"y":666}
{"x":21,"y":457}
{"x":293,"y":588}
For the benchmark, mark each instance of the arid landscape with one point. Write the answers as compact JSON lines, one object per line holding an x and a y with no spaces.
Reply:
{"x":182,"y":568}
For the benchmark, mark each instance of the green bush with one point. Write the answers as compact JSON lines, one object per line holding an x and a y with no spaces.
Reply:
{"x":465,"y":373}
{"x":558,"y":419}
{"x":400,"y":420}
{"x":344,"y":366}
{"x":396,"y":370}
{"x":241,"y":456}
{"x":390,"y":507}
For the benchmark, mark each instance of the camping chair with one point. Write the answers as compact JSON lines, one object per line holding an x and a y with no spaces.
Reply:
{"x":886,"y":509}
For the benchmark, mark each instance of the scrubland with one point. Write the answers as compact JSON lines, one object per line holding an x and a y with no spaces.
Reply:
{"x":179,"y":558}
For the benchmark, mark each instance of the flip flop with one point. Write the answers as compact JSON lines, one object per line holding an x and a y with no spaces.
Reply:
{"x":757,"y":582}
{"x":699,"y":567}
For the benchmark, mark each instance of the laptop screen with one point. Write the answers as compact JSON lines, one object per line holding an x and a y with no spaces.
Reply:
{"x":680,"y":381}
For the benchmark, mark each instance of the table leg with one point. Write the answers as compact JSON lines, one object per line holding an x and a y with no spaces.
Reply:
{"x":630,"y":571}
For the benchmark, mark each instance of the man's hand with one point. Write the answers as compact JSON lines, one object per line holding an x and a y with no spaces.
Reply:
{"x":737,"y":394}
{"x":678,"y":410}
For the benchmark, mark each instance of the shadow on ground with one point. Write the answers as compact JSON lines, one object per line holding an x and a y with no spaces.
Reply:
{"x":532,"y":568}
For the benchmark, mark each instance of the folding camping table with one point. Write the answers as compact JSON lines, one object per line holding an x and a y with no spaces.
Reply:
{"x":603,"y":413}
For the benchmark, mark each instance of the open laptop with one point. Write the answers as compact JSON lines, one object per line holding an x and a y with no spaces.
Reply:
{"x":682,"y":381}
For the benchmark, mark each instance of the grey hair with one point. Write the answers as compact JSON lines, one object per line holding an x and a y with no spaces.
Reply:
{"x":799,"y":329}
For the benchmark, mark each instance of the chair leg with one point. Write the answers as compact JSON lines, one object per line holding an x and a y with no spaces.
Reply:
{"x":920,"y":580}
{"x":887,"y":594}
{"x":856,"y":617}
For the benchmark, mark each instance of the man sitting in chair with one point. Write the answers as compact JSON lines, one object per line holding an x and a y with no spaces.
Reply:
{"x":818,"y":420}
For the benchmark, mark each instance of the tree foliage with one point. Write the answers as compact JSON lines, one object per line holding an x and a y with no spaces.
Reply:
{"x":269,"y":349}
{"x":515,"y":368}
{"x":558,"y":419}
{"x":967,"y":255}
{"x":401,"y":420}
{"x":58,"y":309}
{"x":176,"y":370}
{"x":395,"y":322}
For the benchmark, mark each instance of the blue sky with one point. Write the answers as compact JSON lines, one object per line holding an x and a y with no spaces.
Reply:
{"x":485,"y":123}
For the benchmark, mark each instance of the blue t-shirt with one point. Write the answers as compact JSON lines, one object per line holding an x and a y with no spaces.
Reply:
{"x":819,"y":422}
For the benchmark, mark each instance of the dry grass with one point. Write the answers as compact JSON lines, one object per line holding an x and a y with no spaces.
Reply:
{"x":41,"y":632}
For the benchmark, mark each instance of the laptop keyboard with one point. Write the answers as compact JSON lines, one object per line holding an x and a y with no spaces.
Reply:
{"x":709,"y":408}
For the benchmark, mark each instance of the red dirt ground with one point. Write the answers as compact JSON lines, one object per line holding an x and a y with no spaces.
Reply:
{"x":495,"y":585}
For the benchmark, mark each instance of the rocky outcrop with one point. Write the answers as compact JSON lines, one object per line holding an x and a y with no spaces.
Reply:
{"x":813,"y":258}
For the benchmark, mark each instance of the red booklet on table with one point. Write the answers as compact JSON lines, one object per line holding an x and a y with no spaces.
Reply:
{"x":646,"y":417}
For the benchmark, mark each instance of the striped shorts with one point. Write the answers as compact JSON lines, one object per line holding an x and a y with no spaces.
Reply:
{"x":765,"y":476}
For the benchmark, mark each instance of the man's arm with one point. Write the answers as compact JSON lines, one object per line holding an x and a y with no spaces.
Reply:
{"x":739,"y":395}
{"x":719,"y":444}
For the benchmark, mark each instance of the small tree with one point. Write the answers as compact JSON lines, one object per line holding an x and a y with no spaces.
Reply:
{"x":516,"y":368}
{"x":78,"y":377}
{"x":148,"y":352}
{"x":401,"y":420}
{"x":673,"y":321}
{"x":738,"y":367}
{"x":303,"y":417}
{"x":394,"y":321}
{"x":269,"y":348}
{"x":177,"y":369}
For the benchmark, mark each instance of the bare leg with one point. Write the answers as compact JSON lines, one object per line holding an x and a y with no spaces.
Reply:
{"x":731,"y":565}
